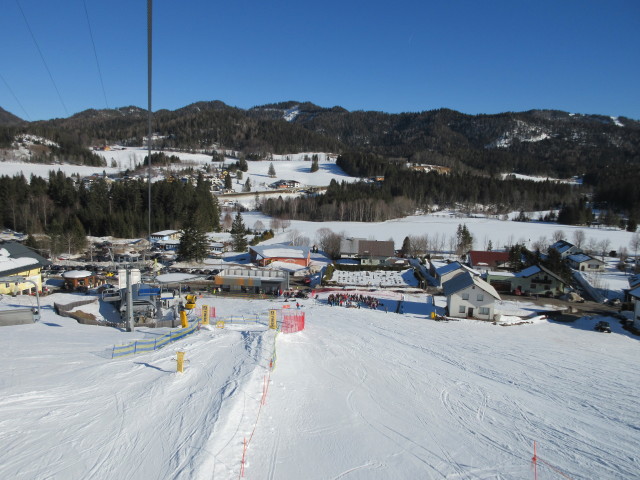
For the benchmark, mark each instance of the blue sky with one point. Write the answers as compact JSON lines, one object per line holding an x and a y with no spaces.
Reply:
{"x":472,"y":56}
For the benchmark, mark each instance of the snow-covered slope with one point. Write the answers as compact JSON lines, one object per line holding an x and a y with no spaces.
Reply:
{"x":358,"y":394}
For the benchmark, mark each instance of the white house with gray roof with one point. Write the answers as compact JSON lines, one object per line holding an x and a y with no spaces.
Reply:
{"x":468,"y":296}
{"x":635,"y":296}
{"x":585,"y":263}
{"x":565,"y":248}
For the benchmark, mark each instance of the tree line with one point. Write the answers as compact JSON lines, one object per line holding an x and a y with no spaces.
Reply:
{"x":120,"y":209}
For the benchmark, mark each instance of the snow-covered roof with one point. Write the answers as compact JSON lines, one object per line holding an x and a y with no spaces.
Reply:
{"x":164,"y":233}
{"x":77,"y":274}
{"x":527,"y":272}
{"x":581,"y":257}
{"x":464,"y":280}
{"x":9,"y":264}
{"x":16,"y":258}
{"x":280,"y":250}
{"x":450,"y":267}
{"x":561,"y":246}
{"x":285,"y":266}
{"x":175,"y":277}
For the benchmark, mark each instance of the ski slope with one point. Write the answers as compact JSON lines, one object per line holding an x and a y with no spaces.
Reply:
{"x":359,"y":394}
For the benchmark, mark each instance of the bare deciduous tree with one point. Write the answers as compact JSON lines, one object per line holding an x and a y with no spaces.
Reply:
{"x":285,"y":223}
{"x":634,"y":244}
{"x":329,"y":242}
{"x":603,"y":247}
{"x":591,"y":245}
{"x":558,"y":235}
{"x":578,"y":238}
{"x":227,"y":221}
{"x":275,"y":224}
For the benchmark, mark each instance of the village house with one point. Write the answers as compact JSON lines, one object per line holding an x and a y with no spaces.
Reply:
{"x":263,"y":255}
{"x":215,"y":249}
{"x":534,"y":280}
{"x":635,"y":297}
{"x":585,"y":263}
{"x":468,"y":296}
{"x":565,"y":248}
{"x":165,"y":235}
{"x":367,"y":252}
{"x":490,"y":260}
{"x":283,"y":184}
{"x":247,"y":280}
{"x":634,"y":282}
{"x":19,"y":261}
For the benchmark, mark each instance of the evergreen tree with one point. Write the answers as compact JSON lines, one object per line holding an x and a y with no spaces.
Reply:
{"x":632,"y":225}
{"x":406,"y":247}
{"x":193,"y":243}
{"x":238,"y":232}
{"x":516,"y":253}
{"x":314,"y":164}
{"x":242,"y":164}
{"x":464,"y":239}
{"x":555,"y":263}
{"x":272,"y":170}
{"x":227,"y":182}
{"x":247,"y":185}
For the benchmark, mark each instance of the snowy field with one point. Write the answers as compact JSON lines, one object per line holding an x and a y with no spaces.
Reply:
{"x":287,"y":167}
{"x":359,"y":394}
{"x":443,"y":226}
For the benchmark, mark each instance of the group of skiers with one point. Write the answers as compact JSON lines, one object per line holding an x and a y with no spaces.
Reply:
{"x":353,"y":301}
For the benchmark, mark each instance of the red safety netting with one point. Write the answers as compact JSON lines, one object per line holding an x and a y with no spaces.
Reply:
{"x":292,"y":322}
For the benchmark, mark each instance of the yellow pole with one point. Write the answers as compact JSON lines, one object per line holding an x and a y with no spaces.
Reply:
{"x":205,"y":314}
{"x":180,"y":359}
{"x":273,"y":319}
{"x":183,"y":319}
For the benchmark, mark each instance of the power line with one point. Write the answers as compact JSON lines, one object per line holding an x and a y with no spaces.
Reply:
{"x":149,"y":64}
{"x":95,"y":53}
{"x":15,"y":98}
{"x":42,"y":57}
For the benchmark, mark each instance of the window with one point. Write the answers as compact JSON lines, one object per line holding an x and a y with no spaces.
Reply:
{"x":533,"y":285}
{"x":480,"y":297}
{"x":462,"y":309}
{"x":484,"y":311}
{"x":465,"y":296}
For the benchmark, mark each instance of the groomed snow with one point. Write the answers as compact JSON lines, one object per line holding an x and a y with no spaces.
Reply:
{"x":358,"y":394}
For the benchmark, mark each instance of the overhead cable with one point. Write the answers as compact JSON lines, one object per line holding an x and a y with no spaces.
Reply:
{"x":42,"y":57}
{"x":14,"y":97}
{"x":95,"y":53}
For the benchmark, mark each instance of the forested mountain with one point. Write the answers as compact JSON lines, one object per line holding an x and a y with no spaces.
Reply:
{"x":604,"y":151}
{"x":7,"y":118}
{"x":541,"y":142}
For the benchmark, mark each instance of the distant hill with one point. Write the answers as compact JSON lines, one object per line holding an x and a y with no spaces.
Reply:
{"x":7,"y":118}
{"x":536,"y":142}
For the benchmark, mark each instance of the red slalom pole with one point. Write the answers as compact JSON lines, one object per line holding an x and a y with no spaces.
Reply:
{"x":535,"y":462}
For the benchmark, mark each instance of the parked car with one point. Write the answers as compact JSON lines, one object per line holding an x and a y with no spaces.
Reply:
{"x":603,"y":327}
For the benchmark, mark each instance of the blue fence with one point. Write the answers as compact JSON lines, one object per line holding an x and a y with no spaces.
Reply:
{"x":141,"y":346}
